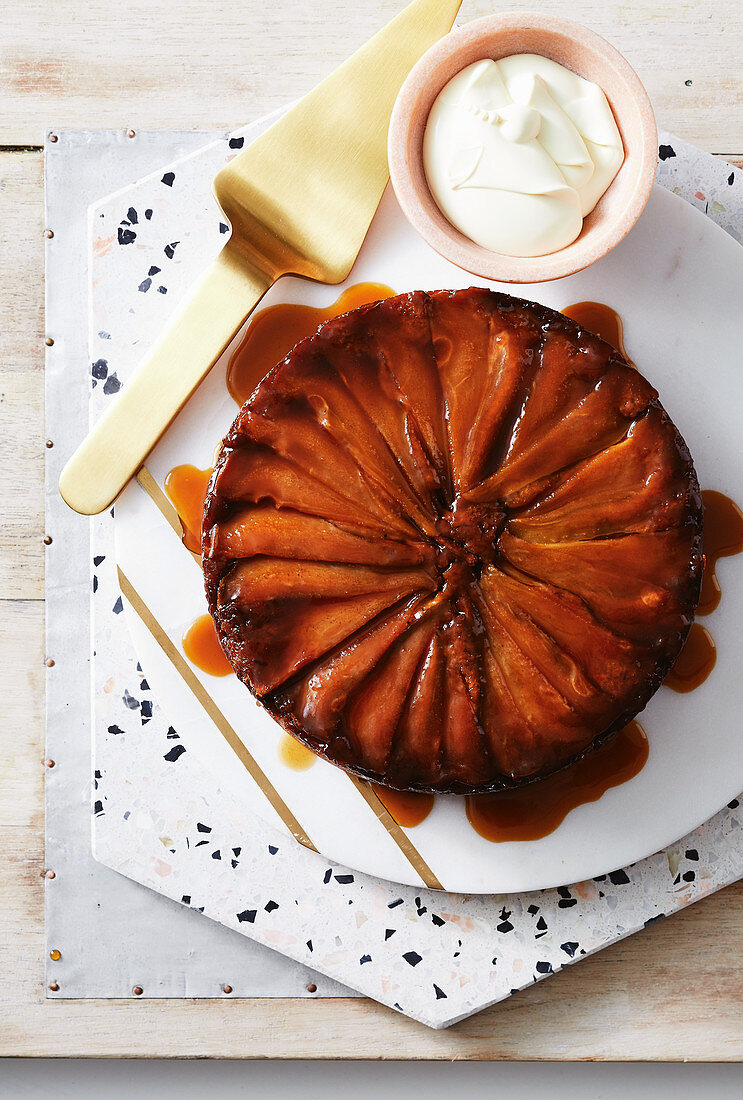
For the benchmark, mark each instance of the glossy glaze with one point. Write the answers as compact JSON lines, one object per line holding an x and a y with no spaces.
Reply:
{"x":723,"y":535}
{"x":535,"y":811}
{"x":453,"y":540}
{"x":274,"y":331}
{"x":186,"y":486}
{"x":201,"y":646}
{"x":695,"y":661}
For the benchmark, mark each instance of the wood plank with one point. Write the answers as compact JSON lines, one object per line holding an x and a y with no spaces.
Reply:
{"x":21,"y":376}
{"x":22,"y":674}
{"x":119,"y":66}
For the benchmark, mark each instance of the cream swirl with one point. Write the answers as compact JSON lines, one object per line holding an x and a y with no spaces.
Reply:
{"x":517,"y":152}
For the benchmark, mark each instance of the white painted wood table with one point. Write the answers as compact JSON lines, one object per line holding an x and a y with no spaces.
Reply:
{"x":672,"y":992}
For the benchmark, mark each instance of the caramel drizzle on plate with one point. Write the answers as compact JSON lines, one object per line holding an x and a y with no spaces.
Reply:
{"x":274,"y":331}
{"x":201,"y":645}
{"x":723,"y":535}
{"x":603,"y":320}
{"x":408,"y":808}
{"x":186,"y":486}
{"x":534,"y":811}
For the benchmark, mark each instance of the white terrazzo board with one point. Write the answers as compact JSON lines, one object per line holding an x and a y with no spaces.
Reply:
{"x":700,"y":268}
{"x":166,"y":822}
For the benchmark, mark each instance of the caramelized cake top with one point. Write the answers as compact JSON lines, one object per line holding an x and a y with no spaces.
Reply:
{"x":452,"y":541}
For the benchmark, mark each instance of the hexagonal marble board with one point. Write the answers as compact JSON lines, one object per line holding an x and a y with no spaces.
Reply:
{"x":160,"y":819}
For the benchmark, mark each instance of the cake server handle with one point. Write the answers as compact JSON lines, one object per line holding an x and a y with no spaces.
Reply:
{"x":148,"y":403}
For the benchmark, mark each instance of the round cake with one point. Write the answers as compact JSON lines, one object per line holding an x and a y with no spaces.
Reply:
{"x":453,"y":541}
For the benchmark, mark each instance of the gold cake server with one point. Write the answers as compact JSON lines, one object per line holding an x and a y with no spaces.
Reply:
{"x":300,"y":200}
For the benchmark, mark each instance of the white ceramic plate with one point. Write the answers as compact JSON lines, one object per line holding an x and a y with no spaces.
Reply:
{"x":677,"y":282}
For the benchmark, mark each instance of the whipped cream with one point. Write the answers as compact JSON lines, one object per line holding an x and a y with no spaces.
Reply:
{"x":518,"y":151}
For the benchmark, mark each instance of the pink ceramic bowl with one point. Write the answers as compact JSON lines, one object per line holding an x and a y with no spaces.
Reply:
{"x":588,"y":55}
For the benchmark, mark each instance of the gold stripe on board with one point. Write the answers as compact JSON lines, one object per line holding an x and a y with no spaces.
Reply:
{"x":380,"y":811}
{"x":401,"y":839}
{"x":163,"y":504}
{"x":153,"y":490}
{"x":211,"y":708}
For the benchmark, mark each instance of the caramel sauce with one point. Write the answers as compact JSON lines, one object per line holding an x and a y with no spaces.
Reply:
{"x":536,"y":810}
{"x":273,"y":333}
{"x":186,"y":486}
{"x":408,"y":808}
{"x":201,"y":646}
{"x":723,"y":535}
{"x":294,"y":754}
{"x":695,"y":661}
{"x":601,"y":319}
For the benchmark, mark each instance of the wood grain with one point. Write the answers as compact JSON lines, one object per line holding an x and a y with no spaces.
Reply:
{"x":672,"y":992}
{"x":21,"y":376}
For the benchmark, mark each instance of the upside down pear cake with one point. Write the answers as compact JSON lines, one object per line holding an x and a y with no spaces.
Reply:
{"x":453,"y":541}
